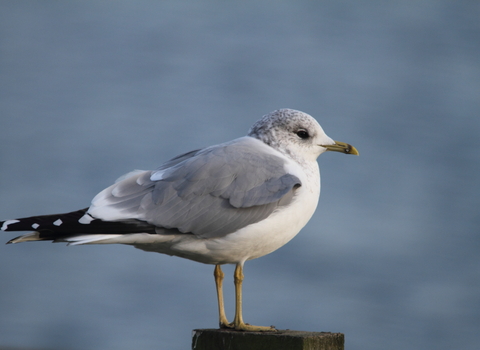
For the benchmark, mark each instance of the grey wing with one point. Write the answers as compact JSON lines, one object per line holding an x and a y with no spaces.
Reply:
{"x":210,"y":193}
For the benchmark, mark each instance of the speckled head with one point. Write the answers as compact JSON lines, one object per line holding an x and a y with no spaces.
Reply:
{"x":291,"y":132}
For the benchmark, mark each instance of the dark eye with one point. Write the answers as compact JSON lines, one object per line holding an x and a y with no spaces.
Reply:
{"x":303,"y":134}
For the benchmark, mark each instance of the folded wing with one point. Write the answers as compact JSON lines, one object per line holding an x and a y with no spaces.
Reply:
{"x":209,"y":193}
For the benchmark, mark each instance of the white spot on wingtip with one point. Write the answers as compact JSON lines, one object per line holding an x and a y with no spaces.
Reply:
{"x":35,"y":226}
{"x":86,"y":219}
{"x":8,"y":222}
{"x":58,"y":222}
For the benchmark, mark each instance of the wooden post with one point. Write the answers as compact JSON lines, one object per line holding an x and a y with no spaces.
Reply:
{"x":223,"y":339}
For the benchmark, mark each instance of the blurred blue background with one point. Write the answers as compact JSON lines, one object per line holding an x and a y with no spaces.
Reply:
{"x":93,"y":89}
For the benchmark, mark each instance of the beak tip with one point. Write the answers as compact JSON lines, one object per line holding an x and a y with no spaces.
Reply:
{"x":352,"y":150}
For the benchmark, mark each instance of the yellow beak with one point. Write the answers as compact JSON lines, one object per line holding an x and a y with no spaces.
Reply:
{"x":342,"y":147}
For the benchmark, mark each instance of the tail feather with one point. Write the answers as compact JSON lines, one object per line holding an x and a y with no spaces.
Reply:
{"x":60,"y":227}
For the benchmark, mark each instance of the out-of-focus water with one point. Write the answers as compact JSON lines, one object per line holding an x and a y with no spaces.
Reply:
{"x":91,"y":90}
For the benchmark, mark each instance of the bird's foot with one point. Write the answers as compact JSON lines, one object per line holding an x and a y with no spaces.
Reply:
{"x":249,"y":328}
{"x":245,"y":327}
{"x":227,"y":325}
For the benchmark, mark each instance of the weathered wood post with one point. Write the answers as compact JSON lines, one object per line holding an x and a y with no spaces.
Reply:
{"x":225,"y":339}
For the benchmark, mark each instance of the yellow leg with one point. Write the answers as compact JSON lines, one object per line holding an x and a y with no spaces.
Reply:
{"x":218,"y":274}
{"x":238,"y":323}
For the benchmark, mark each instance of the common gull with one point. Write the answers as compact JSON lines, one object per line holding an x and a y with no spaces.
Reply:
{"x":223,"y":204}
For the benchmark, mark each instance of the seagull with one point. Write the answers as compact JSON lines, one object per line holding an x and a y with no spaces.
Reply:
{"x":223,"y":204}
